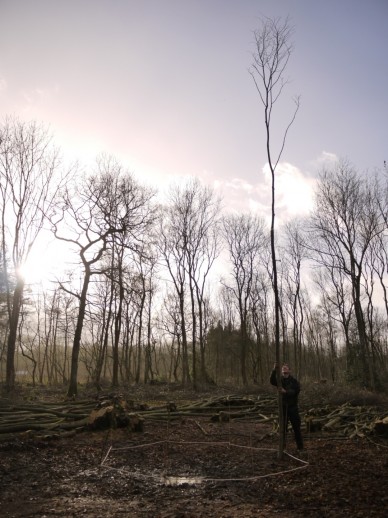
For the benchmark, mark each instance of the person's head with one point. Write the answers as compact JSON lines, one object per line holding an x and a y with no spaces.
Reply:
{"x":285,"y":370}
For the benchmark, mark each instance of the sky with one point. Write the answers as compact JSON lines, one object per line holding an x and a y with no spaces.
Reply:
{"x":164,"y":86}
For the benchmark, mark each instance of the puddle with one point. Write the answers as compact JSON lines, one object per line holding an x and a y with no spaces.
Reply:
{"x":179,"y":481}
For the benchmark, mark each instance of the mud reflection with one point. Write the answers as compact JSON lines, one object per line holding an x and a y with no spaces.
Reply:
{"x":179,"y":481}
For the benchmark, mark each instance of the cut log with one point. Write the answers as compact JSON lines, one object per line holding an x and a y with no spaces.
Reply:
{"x":135,"y":423}
{"x":313,"y":424}
{"x":380,"y":427}
{"x":102,"y":418}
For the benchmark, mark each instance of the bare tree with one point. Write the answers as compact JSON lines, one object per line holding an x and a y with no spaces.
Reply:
{"x":260,"y":296}
{"x":270,"y":60}
{"x":337,"y":306}
{"x":105,"y":294}
{"x":29,"y":182}
{"x":245,"y":238}
{"x":295,"y":253}
{"x":172,"y":250}
{"x":378,"y":261}
{"x":146,"y":264}
{"x":117,"y":273}
{"x":106,"y":204}
{"x":345,"y":224}
{"x":169,"y":323}
{"x":202,"y":248}
{"x":188,"y":246}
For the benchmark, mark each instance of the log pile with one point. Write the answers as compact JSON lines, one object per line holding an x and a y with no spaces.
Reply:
{"x":45,"y":420}
{"x":347,"y":420}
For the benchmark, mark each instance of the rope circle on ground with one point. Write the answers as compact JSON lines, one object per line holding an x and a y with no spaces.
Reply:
{"x":198,"y":478}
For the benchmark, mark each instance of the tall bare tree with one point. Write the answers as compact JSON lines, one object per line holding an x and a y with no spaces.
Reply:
{"x":270,"y":60}
{"x":29,"y":182}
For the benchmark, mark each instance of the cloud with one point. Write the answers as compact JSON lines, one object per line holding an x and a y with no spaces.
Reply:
{"x":47,"y":93}
{"x":38,"y":102}
{"x":294,"y":193}
{"x":325,"y":159}
{"x":238,"y":184}
{"x":237,"y":194}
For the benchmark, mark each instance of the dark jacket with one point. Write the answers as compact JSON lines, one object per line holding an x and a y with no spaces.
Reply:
{"x":292,"y":387}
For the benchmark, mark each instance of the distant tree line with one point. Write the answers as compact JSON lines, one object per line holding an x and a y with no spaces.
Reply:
{"x":143,"y":302}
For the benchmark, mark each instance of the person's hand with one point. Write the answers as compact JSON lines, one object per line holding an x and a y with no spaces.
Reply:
{"x":275,"y":366}
{"x":282,"y":390}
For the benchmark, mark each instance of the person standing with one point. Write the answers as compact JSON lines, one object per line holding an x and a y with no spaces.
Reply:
{"x":289,"y":389}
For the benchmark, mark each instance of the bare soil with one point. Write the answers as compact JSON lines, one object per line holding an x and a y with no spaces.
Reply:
{"x":192,"y":467}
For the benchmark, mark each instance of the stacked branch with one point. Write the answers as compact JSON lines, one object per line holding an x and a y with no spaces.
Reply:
{"x":61,"y":419}
{"x":347,"y":420}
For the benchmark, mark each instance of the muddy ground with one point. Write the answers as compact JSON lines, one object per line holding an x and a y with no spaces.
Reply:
{"x":192,"y":467}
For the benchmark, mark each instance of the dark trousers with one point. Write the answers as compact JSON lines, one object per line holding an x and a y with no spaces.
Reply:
{"x":291,"y":414}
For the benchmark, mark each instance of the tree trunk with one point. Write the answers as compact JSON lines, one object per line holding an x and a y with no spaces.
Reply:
{"x":193,"y":335}
{"x":13,"y":329}
{"x":185,"y":357}
{"x":73,"y":385}
{"x":139,"y":337}
{"x":118,"y":319}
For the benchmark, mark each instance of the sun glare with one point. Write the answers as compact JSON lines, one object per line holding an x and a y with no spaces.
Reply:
{"x":36,"y":270}
{"x":43,"y":265}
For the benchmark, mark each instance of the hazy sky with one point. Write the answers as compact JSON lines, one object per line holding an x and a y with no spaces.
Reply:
{"x":164,"y":86}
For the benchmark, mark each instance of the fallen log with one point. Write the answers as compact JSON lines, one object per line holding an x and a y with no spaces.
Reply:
{"x":115,"y":411}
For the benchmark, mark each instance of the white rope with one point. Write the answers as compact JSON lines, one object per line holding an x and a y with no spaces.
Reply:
{"x":304,"y":463}
{"x":197,"y":479}
{"x":207,"y":479}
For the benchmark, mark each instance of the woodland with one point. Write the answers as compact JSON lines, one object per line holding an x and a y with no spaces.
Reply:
{"x":158,"y":338}
{"x":179,"y":289}
{"x":140,"y":303}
